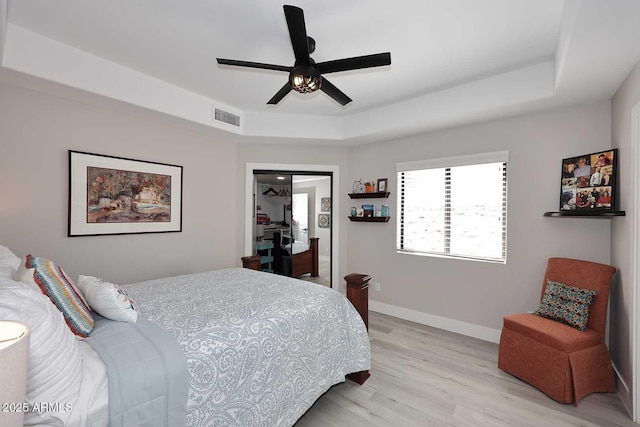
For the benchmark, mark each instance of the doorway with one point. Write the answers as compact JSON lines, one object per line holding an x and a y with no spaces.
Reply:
{"x":300,"y":217}
{"x":311,"y":187}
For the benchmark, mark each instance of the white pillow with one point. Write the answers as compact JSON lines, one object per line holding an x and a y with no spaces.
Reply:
{"x":108,"y":299}
{"x":54,"y":357}
{"x":9,"y":263}
{"x":25,"y":275}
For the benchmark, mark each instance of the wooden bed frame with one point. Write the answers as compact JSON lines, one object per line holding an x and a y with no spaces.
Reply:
{"x":301,"y":263}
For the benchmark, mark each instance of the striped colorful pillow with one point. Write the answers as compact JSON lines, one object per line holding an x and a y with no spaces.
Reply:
{"x":54,"y":283}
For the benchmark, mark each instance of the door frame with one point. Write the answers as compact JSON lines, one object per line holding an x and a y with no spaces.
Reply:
{"x":299,"y":169}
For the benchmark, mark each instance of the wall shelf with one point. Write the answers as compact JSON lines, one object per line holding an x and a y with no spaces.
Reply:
{"x":584,"y":214}
{"x":369,"y":218}
{"x":377,"y":195}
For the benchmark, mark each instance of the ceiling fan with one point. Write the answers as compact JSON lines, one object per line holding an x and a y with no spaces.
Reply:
{"x":306,"y":76}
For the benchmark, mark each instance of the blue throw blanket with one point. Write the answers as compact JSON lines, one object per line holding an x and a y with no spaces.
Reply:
{"x":147,"y":369}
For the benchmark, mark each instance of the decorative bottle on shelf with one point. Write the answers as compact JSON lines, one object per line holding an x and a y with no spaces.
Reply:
{"x":354,"y":211}
{"x":384,"y":211}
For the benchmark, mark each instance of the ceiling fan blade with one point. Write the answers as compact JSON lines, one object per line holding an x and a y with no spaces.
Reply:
{"x":334,"y":92}
{"x":355,"y":63}
{"x":222,"y":61}
{"x":280,"y":94}
{"x":298,"y":34}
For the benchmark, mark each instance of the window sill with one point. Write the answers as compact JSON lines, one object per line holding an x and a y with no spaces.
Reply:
{"x":452,"y":257}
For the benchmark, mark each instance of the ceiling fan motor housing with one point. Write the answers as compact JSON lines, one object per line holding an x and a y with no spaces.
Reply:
{"x":305,"y":79}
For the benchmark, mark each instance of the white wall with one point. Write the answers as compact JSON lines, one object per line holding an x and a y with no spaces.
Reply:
{"x":476,"y":292}
{"x":626,"y":98}
{"x":36,"y":130}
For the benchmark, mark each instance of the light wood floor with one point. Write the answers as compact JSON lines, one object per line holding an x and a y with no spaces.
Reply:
{"x":423,"y":376}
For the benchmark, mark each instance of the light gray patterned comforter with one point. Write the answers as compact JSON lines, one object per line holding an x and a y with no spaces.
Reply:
{"x":261,"y":348}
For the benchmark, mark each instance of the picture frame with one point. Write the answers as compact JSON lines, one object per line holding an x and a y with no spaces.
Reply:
{"x":324,"y":220}
{"x":117,"y":195}
{"x":383,"y":183}
{"x":588,"y":182}
{"x":325,"y":204}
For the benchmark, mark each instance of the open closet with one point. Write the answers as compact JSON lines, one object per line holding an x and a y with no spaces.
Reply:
{"x":292,"y":231}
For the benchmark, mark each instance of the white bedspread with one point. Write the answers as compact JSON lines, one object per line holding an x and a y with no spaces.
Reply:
{"x":297,"y":247}
{"x":261,"y":348}
{"x":92,"y":406}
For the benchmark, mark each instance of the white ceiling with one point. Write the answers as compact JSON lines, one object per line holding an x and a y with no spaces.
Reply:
{"x":453,"y":61}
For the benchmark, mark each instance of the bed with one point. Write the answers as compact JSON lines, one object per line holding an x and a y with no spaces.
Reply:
{"x":226,"y":347}
{"x":294,"y":258}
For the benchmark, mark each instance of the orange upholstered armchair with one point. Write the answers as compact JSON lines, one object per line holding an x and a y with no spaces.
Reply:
{"x":562,"y":361}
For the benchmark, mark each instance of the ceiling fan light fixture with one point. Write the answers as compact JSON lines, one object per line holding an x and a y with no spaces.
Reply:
{"x":305,"y":79}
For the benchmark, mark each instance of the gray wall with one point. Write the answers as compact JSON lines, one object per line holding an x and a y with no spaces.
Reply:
{"x":625,"y":99}
{"x":36,"y":130}
{"x":477,"y":292}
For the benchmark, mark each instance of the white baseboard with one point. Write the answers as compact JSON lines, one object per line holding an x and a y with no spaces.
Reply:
{"x":463,"y":328}
{"x":623,"y":391}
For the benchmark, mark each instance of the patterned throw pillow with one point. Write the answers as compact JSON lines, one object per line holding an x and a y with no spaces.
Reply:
{"x":566,"y":304}
{"x":108,"y":299}
{"x":54,"y":283}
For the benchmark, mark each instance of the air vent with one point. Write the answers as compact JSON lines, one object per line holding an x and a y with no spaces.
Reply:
{"x":226,"y":117}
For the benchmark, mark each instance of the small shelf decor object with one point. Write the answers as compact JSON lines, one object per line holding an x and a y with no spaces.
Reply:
{"x":358,"y":187}
{"x":369,"y":187}
{"x":382,"y":185}
{"x":588,"y":182}
{"x":588,"y":186}
{"x":115,"y":195}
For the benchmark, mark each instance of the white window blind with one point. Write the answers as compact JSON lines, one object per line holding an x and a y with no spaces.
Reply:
{"x":458,"y":210}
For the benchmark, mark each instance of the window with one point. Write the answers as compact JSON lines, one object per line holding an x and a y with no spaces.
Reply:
{"x":454,"y":207}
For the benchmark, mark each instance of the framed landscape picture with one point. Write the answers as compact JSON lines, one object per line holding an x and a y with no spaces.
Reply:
{"x":115,"y":195}
{"x":588,"y":182}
